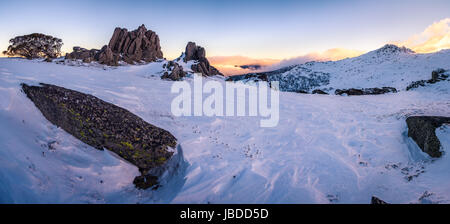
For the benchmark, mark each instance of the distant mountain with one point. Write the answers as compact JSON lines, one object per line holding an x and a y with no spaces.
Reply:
{"x":389,"y":66}
{"x":250,"y":67}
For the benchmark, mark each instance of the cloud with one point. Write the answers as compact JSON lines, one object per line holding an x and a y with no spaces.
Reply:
{"x":328,"y":55}
{"x":434,"y":38}
{"x":230,"y":65}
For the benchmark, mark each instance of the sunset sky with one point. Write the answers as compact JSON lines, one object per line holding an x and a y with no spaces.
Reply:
{"x":255,"y":30}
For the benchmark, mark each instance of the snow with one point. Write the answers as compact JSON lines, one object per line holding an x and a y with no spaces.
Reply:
{"x":389,"y":66}
{"x":326,"y":148}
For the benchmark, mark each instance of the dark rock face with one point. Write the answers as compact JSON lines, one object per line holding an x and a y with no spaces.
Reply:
{"x":377,"y":201}
{"x":436,"y":76}
{"x":365,"y":91}
{"x":131,"y":47}
{"x":422,"y":130}
{"x":176,"y":71}
{"x":84,"y":54}
{"x":318,"y":91}
{"x":135,"y":46}
{"x":194,"y":52}
{"x":197,"y":53}
{"x":105,"y":126}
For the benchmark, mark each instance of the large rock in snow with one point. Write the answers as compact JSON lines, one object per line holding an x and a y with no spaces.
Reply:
{"x":436,"y":76}
{"x":197,"y":53}
{"x":422,"y":129}
{"x":103,"y":125}
{"x":84,"y":54}
{"x":135,"y":46}
{"x":377,"y":201}
{"x":129,"y":46}
{"x":365,"y":91}
{"x":174,"y":71}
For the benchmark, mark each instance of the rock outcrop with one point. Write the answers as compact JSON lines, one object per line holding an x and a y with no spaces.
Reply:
{"x":132,"y":47}
{"x":377,"y":201}
{"x":436,"y":76}
{"x":84,"y":54}
{"x":197,"y":53}
{"x":135,"y":46}
{"x":103,"y":125}
{"x":319,"y":91}
{"x":422,"y":129}
{"x":174,"y":71}
{"x":365,"y":91}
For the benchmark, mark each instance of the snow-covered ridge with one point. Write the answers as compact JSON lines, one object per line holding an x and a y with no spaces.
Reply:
{"x":326,"y":149}
{"x":389,"y":66}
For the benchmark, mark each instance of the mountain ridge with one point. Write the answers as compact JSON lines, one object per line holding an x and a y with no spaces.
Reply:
{"x":388,"y":66}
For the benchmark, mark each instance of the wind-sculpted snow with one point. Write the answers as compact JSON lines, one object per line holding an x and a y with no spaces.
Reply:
{"x":326,"y":148}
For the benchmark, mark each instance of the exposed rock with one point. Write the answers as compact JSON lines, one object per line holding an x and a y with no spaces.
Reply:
{"x":389,"y":49}
{"x":107,"y":57}
{"x":131,"y":47}
{"x":422,"y":129}
{"x":103,"y":125}
{"x":436,"y":76}
{"x":318,"y":91}
{"x":194,"y":52}
{"x":365,"y":91}
{"x":377,"y":201}
{"x":176,"y":71}
{"x":197,"y":53}
{"x":135,"y":46}
{"x":84,"y":54}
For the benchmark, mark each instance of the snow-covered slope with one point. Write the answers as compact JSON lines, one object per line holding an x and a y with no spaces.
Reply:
{"x":389,"y":66}
{"x":326,"y":149}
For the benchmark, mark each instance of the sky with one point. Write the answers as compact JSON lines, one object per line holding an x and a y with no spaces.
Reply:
{"x":253,"y":29}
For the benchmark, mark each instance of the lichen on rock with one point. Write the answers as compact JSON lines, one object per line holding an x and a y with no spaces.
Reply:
{"x":103,"y":125}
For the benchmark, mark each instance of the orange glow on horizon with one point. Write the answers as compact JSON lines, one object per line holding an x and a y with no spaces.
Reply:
{"x":434,"y":38}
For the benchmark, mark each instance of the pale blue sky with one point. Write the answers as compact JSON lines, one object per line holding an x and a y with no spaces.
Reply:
{"x":253,"y":28}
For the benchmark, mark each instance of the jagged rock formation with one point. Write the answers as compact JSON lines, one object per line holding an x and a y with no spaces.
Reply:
{"x":103,"y":125}
{"x":128,"y":46}
{"x":135,"y":46}
{"x":365,"y":91}
{"x":197,"y":53}
{"x":422,"y":129}
{"x":377,"y":201}
{"x":176,"y":71}
{"x":436,"y":76}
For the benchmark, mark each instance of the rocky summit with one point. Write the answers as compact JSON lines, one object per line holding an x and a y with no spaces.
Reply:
{"x":103,"y":125}
{"x":197,"y":53}
{"x":140,"y":45}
